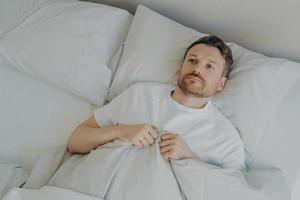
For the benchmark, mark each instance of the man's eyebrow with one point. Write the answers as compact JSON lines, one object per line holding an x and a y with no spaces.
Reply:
{"x":212,"y":61}
{"x":191,"y":54}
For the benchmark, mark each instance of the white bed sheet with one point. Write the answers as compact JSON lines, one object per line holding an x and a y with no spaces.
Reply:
{"x":296,"y":189}
{"x":33,"y":116}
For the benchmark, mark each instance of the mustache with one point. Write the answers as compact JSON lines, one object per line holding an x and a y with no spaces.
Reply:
{"x":195,"y":76}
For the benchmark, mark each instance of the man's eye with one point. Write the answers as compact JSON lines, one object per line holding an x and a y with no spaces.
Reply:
{"x":209,"y":66}
{"x":191,"y":60}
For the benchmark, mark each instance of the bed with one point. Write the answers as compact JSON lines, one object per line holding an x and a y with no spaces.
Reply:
{"x":62,"y":59}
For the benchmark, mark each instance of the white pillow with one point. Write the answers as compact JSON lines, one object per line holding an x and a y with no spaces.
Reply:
{"x":252,"y":97}
{"x":154,"y":44}
{"x":69,"y":44}
{"x":253,"y":100}
{"x":13,"y":11}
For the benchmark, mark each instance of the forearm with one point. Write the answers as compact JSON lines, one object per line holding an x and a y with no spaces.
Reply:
{"x":85,"y":138}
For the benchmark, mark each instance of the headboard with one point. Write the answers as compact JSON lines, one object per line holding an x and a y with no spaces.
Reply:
{"x":270,"y":27}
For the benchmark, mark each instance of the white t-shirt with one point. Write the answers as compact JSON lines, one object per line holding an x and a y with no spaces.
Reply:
{"x":206,"y":131}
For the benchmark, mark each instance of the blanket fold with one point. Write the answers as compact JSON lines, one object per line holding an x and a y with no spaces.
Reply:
{"x":119,"y":170}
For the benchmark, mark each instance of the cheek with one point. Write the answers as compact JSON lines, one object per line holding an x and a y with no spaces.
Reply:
{"x":185,"y":68}
{"x":182,"y":72}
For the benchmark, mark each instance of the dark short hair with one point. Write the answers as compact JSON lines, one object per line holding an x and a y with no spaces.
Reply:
{"x":215,"y":41}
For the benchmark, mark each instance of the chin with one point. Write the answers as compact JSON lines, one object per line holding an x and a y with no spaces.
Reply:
{"x":194,"y":88}
{"x":191,"y":88}
{"x":193,"y":92}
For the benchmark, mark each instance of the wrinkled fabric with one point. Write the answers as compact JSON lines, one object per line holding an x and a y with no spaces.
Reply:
{"x":119,"y":170}
{"x":46,"y":193}
{"x":11,"y":175}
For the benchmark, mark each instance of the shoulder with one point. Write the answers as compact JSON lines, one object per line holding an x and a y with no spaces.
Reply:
{"x":224,"y":124}
{"x":229,"y":133}
{"x":141,"y":90}
{"x":219,"y":117}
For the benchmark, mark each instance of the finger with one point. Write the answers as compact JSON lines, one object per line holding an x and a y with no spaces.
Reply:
{"x":144,"y":142}
{"x":168,"y":136}
{"x":149,"y":138}
{"x":167,"y":155}
{"x":138,"y":144}
{"x":167,"y":142}
{"x":165,"y":149}
{"x":153,"y":132}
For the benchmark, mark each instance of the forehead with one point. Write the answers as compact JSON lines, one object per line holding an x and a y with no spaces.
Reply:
{"x":208,"y":52}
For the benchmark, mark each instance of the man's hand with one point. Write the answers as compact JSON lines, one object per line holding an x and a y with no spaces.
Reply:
{"x":141,"y":135}
{"x":172,"y":146}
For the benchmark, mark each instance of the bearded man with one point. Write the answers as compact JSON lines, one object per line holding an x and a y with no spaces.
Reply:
{"x":195,"y":127}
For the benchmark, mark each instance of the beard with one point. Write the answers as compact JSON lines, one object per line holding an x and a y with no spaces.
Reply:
{"x":192,"y":85}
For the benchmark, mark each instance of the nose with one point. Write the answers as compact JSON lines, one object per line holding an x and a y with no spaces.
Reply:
{"x":199,"y":69}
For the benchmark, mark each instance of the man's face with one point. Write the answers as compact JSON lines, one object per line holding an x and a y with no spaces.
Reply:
{"x":201,"y":73}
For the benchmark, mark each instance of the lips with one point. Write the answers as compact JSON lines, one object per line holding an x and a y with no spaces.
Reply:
{"x":194,"y":78}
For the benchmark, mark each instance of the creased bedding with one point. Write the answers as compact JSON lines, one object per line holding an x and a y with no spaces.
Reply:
{"x":11,"y":175}
{"x":119,"y":170}
{"x":47,"y":193}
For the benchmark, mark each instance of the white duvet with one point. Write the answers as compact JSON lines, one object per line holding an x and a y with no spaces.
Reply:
{"x":46,"y":193}
{"x":119,"y":170}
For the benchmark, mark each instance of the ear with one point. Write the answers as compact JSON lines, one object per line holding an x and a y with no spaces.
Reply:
{"x":222,"y":83}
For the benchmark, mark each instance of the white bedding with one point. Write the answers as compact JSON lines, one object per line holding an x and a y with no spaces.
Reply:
{"x":121,"y":171}
{"x":33,"y":116}
{"x":11,"y":175}
{"x":13,"y":11}
{"x":47,"y":193}
{"x":36,"y":115}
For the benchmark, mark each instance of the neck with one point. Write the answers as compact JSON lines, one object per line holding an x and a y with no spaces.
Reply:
{"x":189,"y":101}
